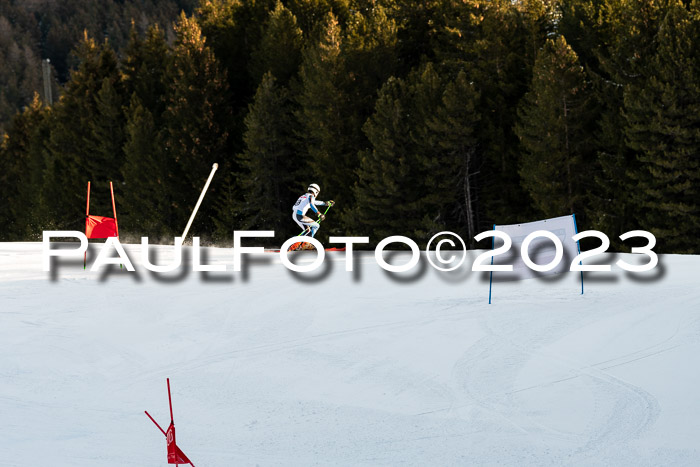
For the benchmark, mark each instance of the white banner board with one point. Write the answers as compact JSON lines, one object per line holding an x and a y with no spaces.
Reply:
{"x":541,"y":250}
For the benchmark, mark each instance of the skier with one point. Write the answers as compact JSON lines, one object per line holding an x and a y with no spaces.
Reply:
{"x":306,"y":201}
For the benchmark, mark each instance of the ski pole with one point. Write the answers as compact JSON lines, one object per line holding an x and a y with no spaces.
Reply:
{"x":303,"y":232}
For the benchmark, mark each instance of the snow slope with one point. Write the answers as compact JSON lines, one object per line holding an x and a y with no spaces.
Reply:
{"x":270,"y":367}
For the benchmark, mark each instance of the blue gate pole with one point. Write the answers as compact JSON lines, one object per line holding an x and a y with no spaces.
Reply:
{"x":579,"y":250}
{"x":493,"y":245}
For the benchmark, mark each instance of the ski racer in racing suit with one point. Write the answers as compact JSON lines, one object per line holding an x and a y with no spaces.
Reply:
{"x":304,"y":203}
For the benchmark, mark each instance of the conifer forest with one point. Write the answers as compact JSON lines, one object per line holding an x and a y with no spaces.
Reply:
{"x":415,"y":117}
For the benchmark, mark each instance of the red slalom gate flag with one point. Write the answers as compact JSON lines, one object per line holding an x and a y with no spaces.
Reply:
{"x":100,"y":227}
{"x":175,"y":454}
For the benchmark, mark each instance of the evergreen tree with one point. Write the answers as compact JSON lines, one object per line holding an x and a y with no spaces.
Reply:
{"x":147,"y":201}
{"x":495,"y":42}
{"x":279,"y":51}
{"x":106,"y":136}
{"x":269,"y":168}
{"x":553,"y":130}
{"x":340,"y":76}
{"x":326,"y":130}
{"x":76,"y":126}
{"x":144,"y":69}
{"x":233,"y":29}
{"x":150,"y":174}
{"x":419,"y":29}
{"x":581,"y":23}
{"x":196,"y":121}
{"x":663,"y":130}
{"x":21,"y":165}
{"x":509,"y":36}
{"x":311,"y":14}
{"x":405,"y":185}
{"x":626,"y":30}
{"x":455,"y":124}
{"x":370,"y":58}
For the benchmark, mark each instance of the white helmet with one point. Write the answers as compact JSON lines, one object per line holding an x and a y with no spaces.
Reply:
{"x":315,"y":189}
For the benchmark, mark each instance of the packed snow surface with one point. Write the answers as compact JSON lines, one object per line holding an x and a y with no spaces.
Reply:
{"x":270,"y":367}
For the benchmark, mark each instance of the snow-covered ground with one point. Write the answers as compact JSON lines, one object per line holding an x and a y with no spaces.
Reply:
{"x":269,"y":367}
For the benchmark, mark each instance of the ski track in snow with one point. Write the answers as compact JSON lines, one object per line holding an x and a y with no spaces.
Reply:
{"x":275,"y":369}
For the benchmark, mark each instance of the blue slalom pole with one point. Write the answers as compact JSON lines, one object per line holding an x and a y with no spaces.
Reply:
{"x":493,"y":245}
{"x":579,"y":250}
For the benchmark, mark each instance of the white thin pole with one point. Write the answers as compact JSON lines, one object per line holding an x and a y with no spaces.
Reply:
{"x":199,"y":201}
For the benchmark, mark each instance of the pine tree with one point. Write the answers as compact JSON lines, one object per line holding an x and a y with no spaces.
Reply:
{"x":626,"y":30}
{"x":74,"y":122}
{"x":405,"y":185}
{"x":196,"y":121}
{"x":509,"y":36}
{"x":279,"y":51}
{"x":21,"y":165}
{"x":663,"y":130}
{"x":455,"y":124}
{"x":553,"y":130}
{"x":495,"y":43}
{"x":580,"y":22}
{"x":144,"y":69}
{"x":419,"y":29}
{"x":269,"y":167}
{"x":370,"y":55}
{"x":326,"y":130}
{"x":311,"y":14}
{"x":150,"y":175}
{"x":106,"y":136}
{"x":233,"y":29}
{"x":146,"y":206}
{"x":340,"y":76}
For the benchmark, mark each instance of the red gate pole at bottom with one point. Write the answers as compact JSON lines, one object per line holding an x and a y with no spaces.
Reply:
{"x":114,"y":209}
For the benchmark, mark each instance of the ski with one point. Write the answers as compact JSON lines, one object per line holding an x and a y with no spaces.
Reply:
{"x":326,"y":249}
